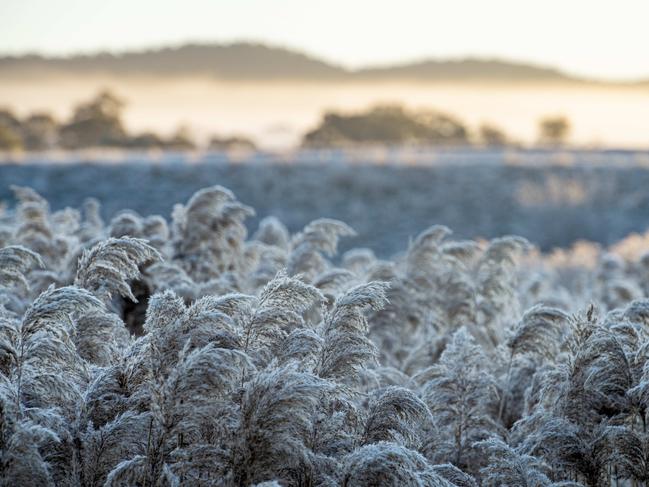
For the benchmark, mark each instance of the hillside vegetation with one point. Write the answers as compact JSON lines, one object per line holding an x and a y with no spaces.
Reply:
{"x":254,"y":62}
{"x":150,"y":352}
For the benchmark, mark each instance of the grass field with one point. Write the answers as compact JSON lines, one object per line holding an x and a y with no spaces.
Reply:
{"x":208,"y":346}
{"x":553,"y":199}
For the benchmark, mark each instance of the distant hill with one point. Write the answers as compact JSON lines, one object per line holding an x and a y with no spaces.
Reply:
{"x":239,"y":61}
{"x":257,"y":62}
{"x":466,"y":69}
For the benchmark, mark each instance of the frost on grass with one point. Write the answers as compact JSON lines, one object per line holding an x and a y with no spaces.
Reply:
{"x":107,"y":268}
{"x":269,"y":361}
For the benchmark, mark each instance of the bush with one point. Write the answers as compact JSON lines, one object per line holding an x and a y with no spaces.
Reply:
{"x":9,"y":139}
{"x":554,"y":130}
{"x":387,"y":125}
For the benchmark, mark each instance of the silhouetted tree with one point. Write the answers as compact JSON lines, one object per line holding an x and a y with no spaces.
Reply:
{"x":389,"y":125}
{"x":40,"y":131}
{"x":9,"y":131}
{"x":146,"y":140}
{"x":492,"y":136}
{"x":229,"y":143}
{"x":554,"y":130}
{"x":95,"y":123}
{"x":9,"y":139}
{"x":181,"y":140}
{"x":9,"y":119}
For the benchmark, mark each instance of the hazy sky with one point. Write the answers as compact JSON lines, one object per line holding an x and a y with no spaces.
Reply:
{"x":602,"y":38}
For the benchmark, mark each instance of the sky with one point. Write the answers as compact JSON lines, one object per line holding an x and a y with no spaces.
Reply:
{"x":606,"y":39}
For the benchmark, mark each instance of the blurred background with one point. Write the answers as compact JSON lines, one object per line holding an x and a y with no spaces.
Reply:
{"x":490,"y":117}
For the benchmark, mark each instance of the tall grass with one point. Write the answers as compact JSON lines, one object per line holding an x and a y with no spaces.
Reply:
{"x":152,"y":353}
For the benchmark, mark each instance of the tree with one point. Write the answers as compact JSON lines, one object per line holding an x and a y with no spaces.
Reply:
{"x":492,"y":136}
{"x":96,"y":123}
{"x":40,"y":131}
{"x":10,"y":138}
{"x":181,"y":140}
{"x":236,"y":142}
{"x":554,"y":130}
{"x":387,"y":125}
{"x":146,"y":140}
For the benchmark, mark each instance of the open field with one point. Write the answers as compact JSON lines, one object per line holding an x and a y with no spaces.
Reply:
{"x":553,"y":199}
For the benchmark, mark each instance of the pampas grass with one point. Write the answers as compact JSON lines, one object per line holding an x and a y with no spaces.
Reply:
{"x":270,"y":361}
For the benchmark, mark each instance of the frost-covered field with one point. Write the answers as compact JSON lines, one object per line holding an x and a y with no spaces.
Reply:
{"x":269,"y":357}
{"x":551,"y":199}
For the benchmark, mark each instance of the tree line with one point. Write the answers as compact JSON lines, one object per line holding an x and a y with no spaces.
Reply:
{"x":98,"y":123}
{"x":396,"y":125}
